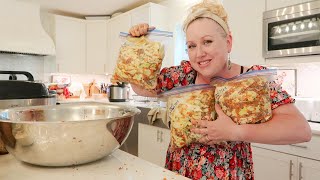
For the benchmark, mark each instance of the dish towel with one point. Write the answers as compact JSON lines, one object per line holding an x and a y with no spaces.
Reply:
{"x":158,"y":113}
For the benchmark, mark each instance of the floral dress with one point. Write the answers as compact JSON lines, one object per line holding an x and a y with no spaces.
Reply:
{"x":200,"y":162}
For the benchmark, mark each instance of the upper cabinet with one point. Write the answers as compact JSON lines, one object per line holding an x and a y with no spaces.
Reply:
{"x":246,"y":29}
{"x":153,"y":14}
{"x":92,"y":46}
{"x":121,"y":23}
{"x":70,"y":39}
{"x":96,"y":46}
{"x":275,"y":4}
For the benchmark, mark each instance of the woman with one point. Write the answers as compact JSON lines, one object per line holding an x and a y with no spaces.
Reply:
{"x":209,"y":42}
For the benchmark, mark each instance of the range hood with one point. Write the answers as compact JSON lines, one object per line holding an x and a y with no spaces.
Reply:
{"x":21,"y":30}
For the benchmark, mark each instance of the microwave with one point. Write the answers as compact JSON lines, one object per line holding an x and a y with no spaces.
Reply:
{"x":292,"y":30}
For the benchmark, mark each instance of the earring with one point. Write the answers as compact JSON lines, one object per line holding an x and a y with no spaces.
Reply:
{"x":229,"y":62}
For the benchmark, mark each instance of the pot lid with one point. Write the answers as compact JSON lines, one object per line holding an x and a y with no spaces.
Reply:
{"x":22,"y":90}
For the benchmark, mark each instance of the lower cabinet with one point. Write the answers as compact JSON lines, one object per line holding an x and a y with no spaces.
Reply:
{"x":153,"y":143}
{"x":269,"y":164}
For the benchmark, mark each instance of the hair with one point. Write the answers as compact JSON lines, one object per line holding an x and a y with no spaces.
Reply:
{"x":211,"y":9}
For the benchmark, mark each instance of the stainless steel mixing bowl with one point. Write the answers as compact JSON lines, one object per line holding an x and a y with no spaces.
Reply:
{"x":67,"y":134}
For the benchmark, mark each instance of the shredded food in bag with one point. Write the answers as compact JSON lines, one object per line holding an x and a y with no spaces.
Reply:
{"x":139,"y":62}
{"x":184,"y":107}
{"x":245,"y":101}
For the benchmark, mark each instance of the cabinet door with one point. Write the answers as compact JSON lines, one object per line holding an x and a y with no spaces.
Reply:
{"x":70,"y":45}
{"x":308,"y":169}
{"x":96,"y":46}
{"x":141,"y":15}
{"x":153,"y":143}
{"x":247,"y":37}
{"x":273,"y":165}
{"x":121,"y":23}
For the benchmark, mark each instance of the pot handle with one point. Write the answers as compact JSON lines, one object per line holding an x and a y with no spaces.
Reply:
{"x":27,"y":74}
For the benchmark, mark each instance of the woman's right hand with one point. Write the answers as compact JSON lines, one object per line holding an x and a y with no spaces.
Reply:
{"x":140,"y":29}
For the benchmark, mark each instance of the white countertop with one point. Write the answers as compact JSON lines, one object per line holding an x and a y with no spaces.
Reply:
{"x":105,"y":100}
{"x":117,"y":166}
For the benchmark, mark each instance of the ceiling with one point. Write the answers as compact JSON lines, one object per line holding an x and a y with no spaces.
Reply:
{"x":81,"y":8}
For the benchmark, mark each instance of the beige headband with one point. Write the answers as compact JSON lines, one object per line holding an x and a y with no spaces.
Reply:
{"x":210,"y":16}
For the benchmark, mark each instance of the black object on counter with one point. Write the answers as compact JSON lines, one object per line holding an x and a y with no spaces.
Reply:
{"x":17,"y":89}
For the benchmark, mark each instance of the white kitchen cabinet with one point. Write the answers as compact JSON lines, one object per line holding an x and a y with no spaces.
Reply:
{"x":153,"y":143}
{"x":121,"y":23}
{"x":308,"y":169}
{"x":273,"y":165}
{"x":153,"y":14}
{"x":246,"y":29}
{"x":96,"y":46}
{"x":275,"y":4}
{"x":70,"y":41}
{"x":294,"y":162}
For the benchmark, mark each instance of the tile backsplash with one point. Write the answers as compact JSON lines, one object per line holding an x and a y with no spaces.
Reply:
{"x":307,"y":78}
{"x":17,"y":62}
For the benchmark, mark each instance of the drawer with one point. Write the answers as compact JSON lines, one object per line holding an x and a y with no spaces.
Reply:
{"x":308,"y":150}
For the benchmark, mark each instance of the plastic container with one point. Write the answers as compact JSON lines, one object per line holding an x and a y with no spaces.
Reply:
{"x":193,"y":102}
{"x":245,"y":98}
{"x":140,"y":58}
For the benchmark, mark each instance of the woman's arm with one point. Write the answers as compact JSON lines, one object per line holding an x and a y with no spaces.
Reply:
{"x":287,"y":126}
{"x":143,"y":92}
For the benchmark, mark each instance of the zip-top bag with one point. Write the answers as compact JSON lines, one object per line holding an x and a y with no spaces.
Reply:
{"x":140,"y":58}
{"x":246,"y":97}
{"x":186,"y":103}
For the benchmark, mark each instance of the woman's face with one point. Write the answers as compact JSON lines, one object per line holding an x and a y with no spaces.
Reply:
{"x":207,"y":47}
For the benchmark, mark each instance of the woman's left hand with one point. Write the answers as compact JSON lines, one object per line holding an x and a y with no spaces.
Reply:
{"x":222,"y":129}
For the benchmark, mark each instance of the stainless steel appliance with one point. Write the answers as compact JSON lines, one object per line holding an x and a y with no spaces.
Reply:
{"x":119,"y":92}
{"x":17,"y":93}
{"x":67,"y":134}
{"x":292,"y":31}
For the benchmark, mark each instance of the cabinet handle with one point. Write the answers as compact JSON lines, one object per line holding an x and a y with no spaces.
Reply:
{"x":299,"y":146}
{"x":158,"y":135}
{"x":300,"y":171}
{"x":161,"y":135}
{"x":290,"y":170}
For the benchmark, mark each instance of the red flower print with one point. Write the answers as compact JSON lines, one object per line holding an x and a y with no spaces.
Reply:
{"x":164,"y":70}
{"x":232,"y":162}
{"x":184,"y":82}
{"x":210,"y":157}
{"x":169,"y":83}
{"x":233,"y":174}
{"x":203,"y":150}
{"x":176,"y":166}
{"x":239,"y":163}
{"x":197,"y":174}
{"x":164,"y":83}
{"x":219,"y":171}
{"x":273,"y":94}
{"x":187,"y":68}
{"x":175,"y":76}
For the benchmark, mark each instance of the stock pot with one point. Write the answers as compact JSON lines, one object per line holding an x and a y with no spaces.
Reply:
{"x":18,"y":93}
